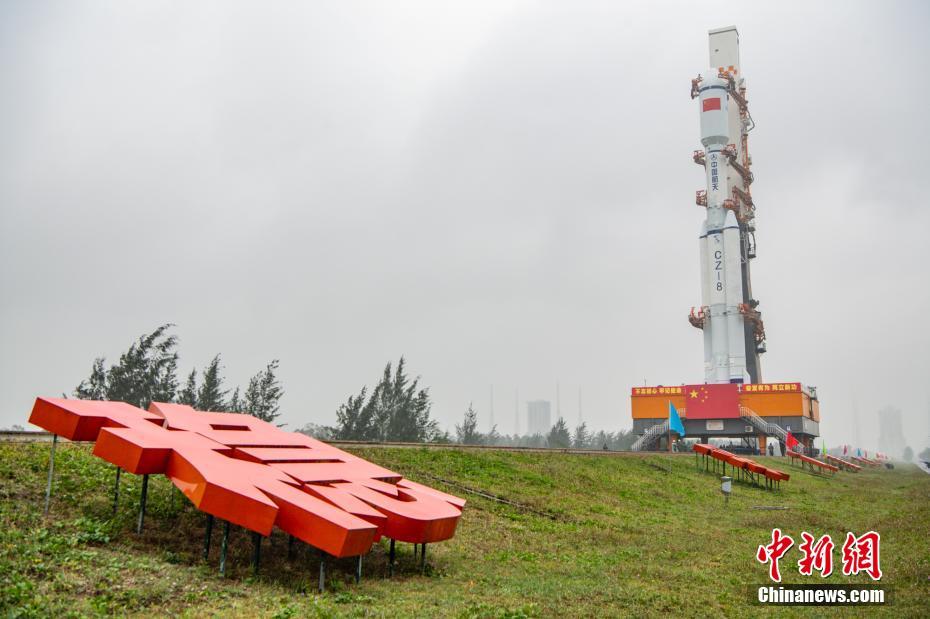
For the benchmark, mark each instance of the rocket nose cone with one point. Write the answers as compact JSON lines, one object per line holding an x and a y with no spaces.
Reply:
{"x":730,"y":219}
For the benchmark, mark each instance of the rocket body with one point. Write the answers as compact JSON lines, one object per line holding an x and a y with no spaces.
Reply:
{"x":720,"y":251}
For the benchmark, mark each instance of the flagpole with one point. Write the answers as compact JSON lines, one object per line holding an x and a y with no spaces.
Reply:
{"x":670,"y":442}
{"x":670,"y":436}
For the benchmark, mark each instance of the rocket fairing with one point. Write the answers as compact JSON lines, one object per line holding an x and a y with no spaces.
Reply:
{"x":722,"y":273}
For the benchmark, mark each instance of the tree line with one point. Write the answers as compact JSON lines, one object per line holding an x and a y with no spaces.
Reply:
{"x":396,"y":409}
{"x":558,"y":437}
{"x":147,"y":372}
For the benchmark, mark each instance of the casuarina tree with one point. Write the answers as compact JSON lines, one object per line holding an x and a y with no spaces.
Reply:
{"x":188,"y":395}
{"x":145,"y":373}
{"x":263,"y":394}
{"x":582,"y":438}
{"x":559,"y":435}
{"x":467,"y":433}
{"x":396,"y":410}
{"x":211,"y":396}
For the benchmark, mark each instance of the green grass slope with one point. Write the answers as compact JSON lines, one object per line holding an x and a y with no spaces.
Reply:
{"x":589,"y":536}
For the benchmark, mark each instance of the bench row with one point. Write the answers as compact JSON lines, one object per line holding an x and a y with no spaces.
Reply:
{"x":739,"y":462}
{"x":812,"y":462}
{"x":849,"y":466}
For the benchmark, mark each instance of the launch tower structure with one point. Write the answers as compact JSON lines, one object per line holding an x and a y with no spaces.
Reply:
{"x":732,"y":402}
{"x":734,"y":336}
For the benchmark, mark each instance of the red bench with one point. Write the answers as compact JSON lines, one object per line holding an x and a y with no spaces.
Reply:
{"x":849,"y":466}
{"x":777,"y":475}
{"x":701,"y":448}
{"x":742,"y":467}
{"x":811,"y":462}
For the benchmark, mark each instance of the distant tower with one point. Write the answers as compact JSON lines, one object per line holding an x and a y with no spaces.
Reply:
{"x":558,"y":402}
{"x":491,"y":415}
{"x":928,"y":424}
{"x":891,"y":432}
{"x":855,"y":408}
{"x":516,"y":411}
{"x":580,"y":416}
{"x":538,"y":417}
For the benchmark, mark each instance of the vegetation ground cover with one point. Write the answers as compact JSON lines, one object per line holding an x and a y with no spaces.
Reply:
{"x":642,"y":535}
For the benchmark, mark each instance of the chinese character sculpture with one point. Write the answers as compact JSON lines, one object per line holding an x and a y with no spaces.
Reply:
{"x":255,"y":475}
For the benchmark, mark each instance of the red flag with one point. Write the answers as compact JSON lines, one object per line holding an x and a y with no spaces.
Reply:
{"x":712,"y":401}
{"x":791,"y":442}
{"x":711,"y":104}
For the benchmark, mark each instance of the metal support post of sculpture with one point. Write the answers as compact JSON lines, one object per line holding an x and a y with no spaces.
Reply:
{"x":224,"y":548}
{"x":142,"y":500}
{"x":116,"y":492}
{"x":391,"y":559}
{"x":207,"y":537}
{"x":51,"y":473}
{"x":256,"y":551}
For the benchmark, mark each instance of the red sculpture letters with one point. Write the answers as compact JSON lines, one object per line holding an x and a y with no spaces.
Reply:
{"x":253,"y":474}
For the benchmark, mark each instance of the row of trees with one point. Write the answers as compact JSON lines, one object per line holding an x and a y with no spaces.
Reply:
{"x":147,"y":373}
{"x":396,"y":409}
{"x":559,"y":436}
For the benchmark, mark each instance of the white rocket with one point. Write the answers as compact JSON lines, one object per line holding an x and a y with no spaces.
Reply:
{"x":724,"y":293}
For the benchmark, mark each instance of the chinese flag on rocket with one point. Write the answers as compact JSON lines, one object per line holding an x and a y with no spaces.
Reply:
{"x":712,"y":401}
{"x":711,"y":104}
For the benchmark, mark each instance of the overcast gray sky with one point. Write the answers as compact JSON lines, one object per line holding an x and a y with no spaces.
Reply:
{"x":501,"y":191}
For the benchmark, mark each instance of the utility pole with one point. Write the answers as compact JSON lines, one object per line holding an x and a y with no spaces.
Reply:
{"x":580,"y":416}
{"x":491,"y":416}
{"x":855,"y":407}
{"x":516,"y":411}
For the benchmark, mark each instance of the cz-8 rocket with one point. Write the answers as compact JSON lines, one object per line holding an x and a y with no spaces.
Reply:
{"x":734,"y":335}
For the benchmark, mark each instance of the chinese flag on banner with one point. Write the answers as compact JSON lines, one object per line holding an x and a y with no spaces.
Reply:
{"x":791,"y":442}
{"x":712,"y":401}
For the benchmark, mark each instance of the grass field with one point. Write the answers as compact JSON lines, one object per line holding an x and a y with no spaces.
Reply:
{"x":599,"y":536}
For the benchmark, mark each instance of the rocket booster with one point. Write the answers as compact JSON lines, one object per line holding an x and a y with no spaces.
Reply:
{"x":721,"y":271}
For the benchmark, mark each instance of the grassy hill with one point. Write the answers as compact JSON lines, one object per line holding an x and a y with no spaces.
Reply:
{"x":589,"y":536}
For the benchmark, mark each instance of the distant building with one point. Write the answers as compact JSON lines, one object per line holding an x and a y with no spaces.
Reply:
{"x":538,"y":417}
{"x":890,"y":432}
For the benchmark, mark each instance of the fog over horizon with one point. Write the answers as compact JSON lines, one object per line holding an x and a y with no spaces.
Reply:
{"x":502,"y":192}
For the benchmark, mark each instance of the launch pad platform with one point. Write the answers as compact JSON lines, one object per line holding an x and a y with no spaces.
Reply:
{"x":752,"y":412}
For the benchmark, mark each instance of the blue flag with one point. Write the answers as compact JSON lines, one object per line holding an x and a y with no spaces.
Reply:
{"x":674,"y":421}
